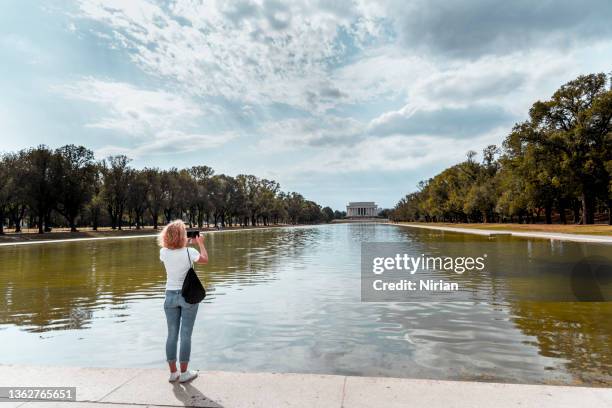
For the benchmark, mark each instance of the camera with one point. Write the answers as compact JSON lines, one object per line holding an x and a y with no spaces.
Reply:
{"x":193,"y":233}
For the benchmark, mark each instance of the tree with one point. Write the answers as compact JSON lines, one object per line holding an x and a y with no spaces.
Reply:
{"x":116,"y":175}
{"x":97,"y":199}
{"x":561,"y":158}
{"x":249,"y":185}
{"x":295,"y":204}
{"x":575,"y":125}
{"x":223,"y":188}
{"x":328,"y":214}
{"x":267,"y":191}
{"x":170,"y":188}
{"x":138,"y":191}
{"x":279,"y":212}
{"x":6,"y":187}
{"x":38,"y":164}
{"x":66,"y":186}
{"x":202,"y":175}
{"x":75,"y":173}
{"x":13,"y":190}
{"x":609,"y":191}
{"x":155,"y":194}
{"x":187,"y":196}
{"x":311,"y":213}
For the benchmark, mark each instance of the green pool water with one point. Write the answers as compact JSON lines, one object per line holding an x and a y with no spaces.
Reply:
{"x":289,"y":300}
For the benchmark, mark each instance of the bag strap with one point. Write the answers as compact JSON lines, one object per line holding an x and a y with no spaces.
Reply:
{"x":188,"y":257}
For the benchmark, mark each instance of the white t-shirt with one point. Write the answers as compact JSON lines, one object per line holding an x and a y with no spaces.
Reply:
{"x":177,"y":264}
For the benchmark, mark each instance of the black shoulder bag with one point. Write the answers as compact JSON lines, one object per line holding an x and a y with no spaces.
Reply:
{"x":192,"y":290}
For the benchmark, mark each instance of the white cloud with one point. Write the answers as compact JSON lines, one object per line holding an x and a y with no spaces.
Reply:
{"x":493,"y":79}
{"x":252,"y":51}
{"x":170,"y":142}
{"x":331,"y":67}
{"x":464,"y":122}
{"x":472,"y":28}
{"x":390,"y":153}
{"x":313,"y":56}
{"x":132,"y":110}
{"x":31,"y":53}
{"x":321,"y":131}
{"x":155,"y":121}
{"x":382,"y":72}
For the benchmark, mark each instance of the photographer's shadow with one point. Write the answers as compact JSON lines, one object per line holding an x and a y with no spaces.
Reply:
{"x":190,"y":396}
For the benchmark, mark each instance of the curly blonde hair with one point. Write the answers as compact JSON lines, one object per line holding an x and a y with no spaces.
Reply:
{"x":173,"y":236}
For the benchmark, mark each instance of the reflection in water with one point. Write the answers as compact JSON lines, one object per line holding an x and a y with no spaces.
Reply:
{"x":59,"y":286}
{"x":579,"y":333}
{"x":289,"y":300}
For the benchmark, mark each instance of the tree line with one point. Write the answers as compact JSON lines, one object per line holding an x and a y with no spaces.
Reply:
{"x":556,"y":165}
{"x":45,"y":188}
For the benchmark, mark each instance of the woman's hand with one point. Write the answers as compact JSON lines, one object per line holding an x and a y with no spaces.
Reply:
{"x":199,"y":239}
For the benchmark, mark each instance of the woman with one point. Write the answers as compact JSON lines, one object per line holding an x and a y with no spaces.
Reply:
{"x":180,"y":315}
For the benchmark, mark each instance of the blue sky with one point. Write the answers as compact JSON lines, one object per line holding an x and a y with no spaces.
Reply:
{"x":338,"y":100}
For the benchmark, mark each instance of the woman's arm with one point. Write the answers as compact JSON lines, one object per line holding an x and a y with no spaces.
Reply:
{"x":203,"y":254}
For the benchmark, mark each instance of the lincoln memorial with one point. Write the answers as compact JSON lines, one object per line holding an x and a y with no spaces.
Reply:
{"x":362,"y":209}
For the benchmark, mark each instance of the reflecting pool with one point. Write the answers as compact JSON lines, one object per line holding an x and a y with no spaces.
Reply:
{"x":288,"y":300}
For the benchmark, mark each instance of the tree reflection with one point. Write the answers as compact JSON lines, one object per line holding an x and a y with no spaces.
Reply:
{"x":579,"y":332}
{"x":60,"y":286}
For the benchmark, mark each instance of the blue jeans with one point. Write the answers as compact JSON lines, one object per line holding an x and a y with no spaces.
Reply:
{"x":180,"y":317}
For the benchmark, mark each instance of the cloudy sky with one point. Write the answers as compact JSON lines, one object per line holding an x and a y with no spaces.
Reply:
{"x":340,"y":100}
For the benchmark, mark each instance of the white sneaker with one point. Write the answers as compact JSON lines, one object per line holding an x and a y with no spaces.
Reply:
{"x":174,"y":376}
{"x":188,"y":376}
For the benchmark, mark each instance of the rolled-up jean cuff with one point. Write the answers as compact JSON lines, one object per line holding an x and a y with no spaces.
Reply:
{"x":172,"y":361}
{"x":183,"y":362}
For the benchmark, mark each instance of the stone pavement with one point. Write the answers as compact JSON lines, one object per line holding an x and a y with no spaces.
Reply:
{"x":557,"y":236}
{"x":134,"y":387}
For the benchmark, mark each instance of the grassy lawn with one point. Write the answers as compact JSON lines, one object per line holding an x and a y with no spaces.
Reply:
{"x":596,"y":229}
{"x":64,"y":233}
{"x":86,"y":232}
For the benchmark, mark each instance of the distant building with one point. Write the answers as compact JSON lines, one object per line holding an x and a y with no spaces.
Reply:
{"x":362,"y":209}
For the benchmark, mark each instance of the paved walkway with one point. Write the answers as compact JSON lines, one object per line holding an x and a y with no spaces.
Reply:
{"x":132,"y":387}
{"x":603,"y":239}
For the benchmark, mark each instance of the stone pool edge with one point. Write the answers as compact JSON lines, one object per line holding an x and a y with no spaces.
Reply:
{"x":149,"y":235}
{"x":558,"y":236}
{"x":116,"y":387}
{"x":555,"y":236}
